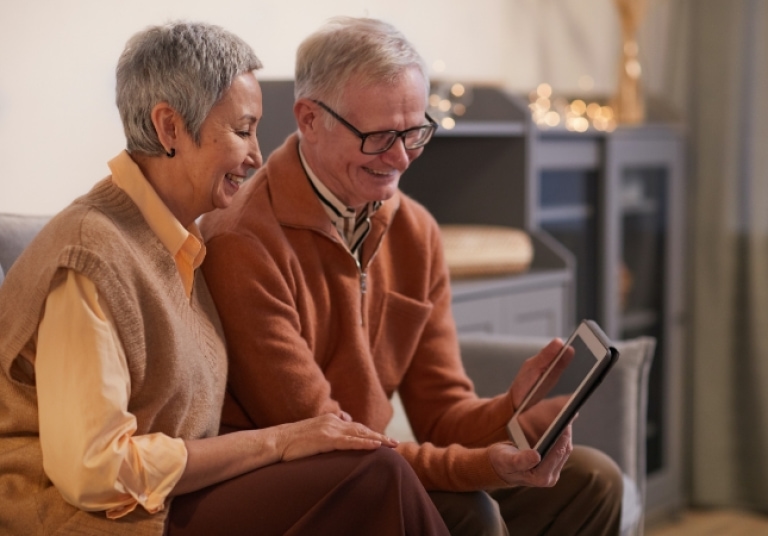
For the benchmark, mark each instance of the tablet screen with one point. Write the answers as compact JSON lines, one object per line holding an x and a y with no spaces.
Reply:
{"x":576,"y":372}
{"x":571,"y":377}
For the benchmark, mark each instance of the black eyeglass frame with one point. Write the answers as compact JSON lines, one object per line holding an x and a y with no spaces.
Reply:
{"x":397,"y":133}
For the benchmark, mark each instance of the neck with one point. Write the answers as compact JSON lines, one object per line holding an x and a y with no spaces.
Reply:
{"x":160,"y":172}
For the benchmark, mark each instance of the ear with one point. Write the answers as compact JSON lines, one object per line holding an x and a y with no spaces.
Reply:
{"x":167,"y":125}
{"x":307,"y":118}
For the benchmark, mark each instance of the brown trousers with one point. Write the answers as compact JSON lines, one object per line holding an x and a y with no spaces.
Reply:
{"x":586,"y":501}
{"x":339,"y":493}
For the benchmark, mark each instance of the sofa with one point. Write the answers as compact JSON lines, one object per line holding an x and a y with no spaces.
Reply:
{"x":613,"y":419}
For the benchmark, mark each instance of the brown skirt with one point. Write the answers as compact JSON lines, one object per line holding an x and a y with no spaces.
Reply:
{"x":342,"y":492}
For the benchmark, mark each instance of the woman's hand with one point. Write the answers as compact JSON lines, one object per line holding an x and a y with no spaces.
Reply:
{"x":323,"y":434}
{"x":219,"y":458}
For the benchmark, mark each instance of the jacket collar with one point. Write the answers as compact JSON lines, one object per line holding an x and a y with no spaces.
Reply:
{"x":296,"y":204}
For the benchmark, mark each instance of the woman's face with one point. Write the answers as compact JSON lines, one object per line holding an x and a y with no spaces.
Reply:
{"x":228,"y":149}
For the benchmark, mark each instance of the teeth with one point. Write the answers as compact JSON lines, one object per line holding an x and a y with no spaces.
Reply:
{"x":235,"y":179}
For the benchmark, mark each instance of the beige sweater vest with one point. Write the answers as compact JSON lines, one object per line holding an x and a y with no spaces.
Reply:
{"x":174,"y":348}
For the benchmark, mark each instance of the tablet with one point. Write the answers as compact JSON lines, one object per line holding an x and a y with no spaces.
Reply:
{"x":576,"y":371}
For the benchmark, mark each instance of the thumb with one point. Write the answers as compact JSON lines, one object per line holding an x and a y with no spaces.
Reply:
{"x":527,"y":459}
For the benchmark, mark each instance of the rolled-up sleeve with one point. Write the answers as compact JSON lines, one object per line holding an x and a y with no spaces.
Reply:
{"x":90,"y":451}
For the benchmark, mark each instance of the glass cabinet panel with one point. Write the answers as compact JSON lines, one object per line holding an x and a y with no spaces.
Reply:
{"x":568,"y":211}
{"x":641,"y":283}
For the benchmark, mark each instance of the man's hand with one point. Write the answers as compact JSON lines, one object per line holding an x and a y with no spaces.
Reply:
{"x":522,"y":468}
{"x":536,"y":420}
{"x":534,"y":367}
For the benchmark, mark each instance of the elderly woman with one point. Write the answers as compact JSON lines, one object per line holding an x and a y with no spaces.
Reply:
{"x":112,"y":357}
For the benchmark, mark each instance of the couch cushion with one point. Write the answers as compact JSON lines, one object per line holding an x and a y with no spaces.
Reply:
{"x":16,"y":231}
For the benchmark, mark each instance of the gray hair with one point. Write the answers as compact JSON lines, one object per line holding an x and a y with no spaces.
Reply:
{"x":370,"y":50}
{"x":188,"y":65}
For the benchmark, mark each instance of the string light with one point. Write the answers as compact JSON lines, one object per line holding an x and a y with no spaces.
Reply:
{"x":448,"y":100}
{"x":576,"y":115}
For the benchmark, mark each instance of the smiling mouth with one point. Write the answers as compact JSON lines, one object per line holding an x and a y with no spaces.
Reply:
{"x":234,"y":179}
{"x":378,"y":173}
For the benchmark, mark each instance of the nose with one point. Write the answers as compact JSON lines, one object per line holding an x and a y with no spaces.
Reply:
{"x":255,"y":159}
{"x":398,"y":156}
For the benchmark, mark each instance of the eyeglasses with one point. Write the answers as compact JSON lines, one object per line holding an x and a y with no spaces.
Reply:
{"x":381,"y":140}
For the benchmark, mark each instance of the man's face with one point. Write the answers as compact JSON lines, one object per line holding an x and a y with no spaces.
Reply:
{"x":335,"y":156}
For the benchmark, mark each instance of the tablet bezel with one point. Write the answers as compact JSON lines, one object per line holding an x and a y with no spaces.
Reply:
{"x":605,"y":355}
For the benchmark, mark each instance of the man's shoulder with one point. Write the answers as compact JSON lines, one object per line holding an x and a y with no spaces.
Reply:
{"x":413,"y":213}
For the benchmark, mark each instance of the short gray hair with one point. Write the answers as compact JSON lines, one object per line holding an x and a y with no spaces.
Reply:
{"x":188,"y":65}
{"x":370,"y":50}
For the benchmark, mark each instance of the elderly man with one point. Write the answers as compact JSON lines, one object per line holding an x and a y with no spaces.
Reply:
{"x":333,"y":293}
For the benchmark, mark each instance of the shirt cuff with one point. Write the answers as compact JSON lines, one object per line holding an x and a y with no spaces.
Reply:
{"x":148,"y":477}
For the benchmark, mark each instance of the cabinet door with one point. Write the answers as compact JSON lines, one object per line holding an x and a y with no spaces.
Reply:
{"x":644,"y":287}
{"x":568,"y":194}
{"x":478,"y":315}
{"x":537,"y":313}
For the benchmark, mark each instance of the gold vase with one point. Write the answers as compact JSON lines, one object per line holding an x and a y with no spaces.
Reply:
{"x":629,"y":103}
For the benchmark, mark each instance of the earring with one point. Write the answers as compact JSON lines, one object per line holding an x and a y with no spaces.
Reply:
{"x":171,"y":153}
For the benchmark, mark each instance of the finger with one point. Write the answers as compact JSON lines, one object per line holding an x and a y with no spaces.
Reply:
{"x":344,"y":416}
{"x":356,"y":443}
{"x":363,"y":431}
{"x":532,"y":370}
{"x":519,"y":461}
{"x":558,"y":455}
{"x":548,"y":353}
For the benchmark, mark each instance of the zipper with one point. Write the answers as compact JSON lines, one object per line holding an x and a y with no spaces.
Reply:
{"x":364,"y":280}
{"x":363,"y":290}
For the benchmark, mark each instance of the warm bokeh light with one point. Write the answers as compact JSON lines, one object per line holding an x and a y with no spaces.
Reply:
{"x":544,"y":90}
{"x":449,"y":100}
{"x":631,"y":48}
{"x":577,"y":115}
{"x":593,"y":109}
{"x":578,"y":107}
{"x":552,"y":118}
{"x":457,"y":90}
{"x":633,"y":68}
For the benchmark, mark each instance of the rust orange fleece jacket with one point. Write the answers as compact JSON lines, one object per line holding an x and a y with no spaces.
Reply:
{"x":310,"y":331}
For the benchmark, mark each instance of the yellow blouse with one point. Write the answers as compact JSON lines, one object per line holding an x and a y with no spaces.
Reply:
{"x":83,"y":384}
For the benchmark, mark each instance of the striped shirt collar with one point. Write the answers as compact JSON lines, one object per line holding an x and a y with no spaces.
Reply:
{"x":353,"y":227}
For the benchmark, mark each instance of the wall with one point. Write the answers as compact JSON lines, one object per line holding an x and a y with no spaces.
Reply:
{"x":59,"y":124}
